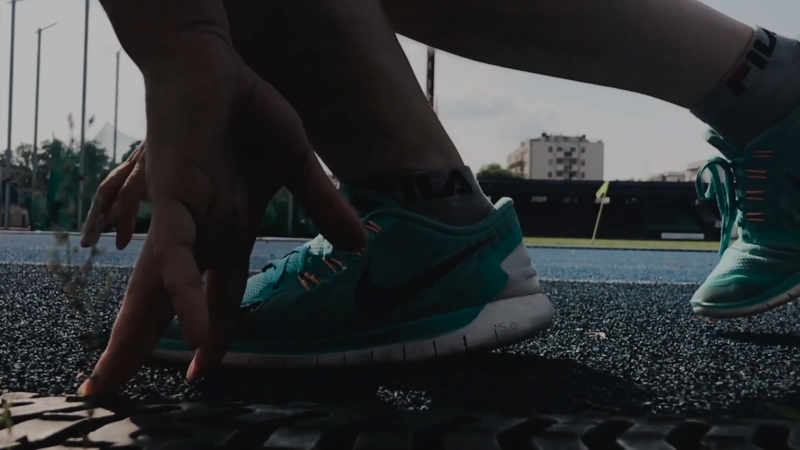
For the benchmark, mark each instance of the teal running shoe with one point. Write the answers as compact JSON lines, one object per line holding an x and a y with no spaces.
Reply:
{"x":420,"y":291}
{"x":758,"y":190}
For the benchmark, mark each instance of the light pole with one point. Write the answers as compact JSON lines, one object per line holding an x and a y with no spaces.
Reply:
{"x":82,"y":157}
{"x":7,"y":179}
{"x":430,"y":74}
{"x":36,"y":107}
{"x":116,"y":109}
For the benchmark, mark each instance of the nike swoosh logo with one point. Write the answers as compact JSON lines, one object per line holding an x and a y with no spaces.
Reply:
{"x":371,"y":299}
{"x":794,"y":180}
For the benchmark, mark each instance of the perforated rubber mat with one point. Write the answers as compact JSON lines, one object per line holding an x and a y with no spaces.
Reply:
{"x":31,"y":422}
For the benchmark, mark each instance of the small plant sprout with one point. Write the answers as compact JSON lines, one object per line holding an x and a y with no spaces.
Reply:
{"x":6,"y":421}
{"x":74,"y":280}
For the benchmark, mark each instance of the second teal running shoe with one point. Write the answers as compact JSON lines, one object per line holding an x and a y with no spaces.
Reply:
{"x":420,"y":291}
{"x":757,"y":189}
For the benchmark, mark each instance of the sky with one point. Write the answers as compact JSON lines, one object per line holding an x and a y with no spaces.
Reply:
{"x":486,"y":110}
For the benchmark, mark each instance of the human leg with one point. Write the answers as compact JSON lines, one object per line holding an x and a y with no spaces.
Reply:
{"x":444,"y":273}
{"x":745,"y":84}
{"x":342,"y":68}
{"x":672,"y":50}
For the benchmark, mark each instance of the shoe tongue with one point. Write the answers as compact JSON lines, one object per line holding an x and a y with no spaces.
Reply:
{"x":727,"y":149}
{"x":366,"y":201}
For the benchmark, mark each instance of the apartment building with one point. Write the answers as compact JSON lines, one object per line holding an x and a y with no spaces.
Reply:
{"x":558,"y":157}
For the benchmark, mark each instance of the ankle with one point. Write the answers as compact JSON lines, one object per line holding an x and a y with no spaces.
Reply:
{"x":451,"y":196}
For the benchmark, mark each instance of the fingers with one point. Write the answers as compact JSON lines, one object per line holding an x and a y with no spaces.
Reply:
{"x":224,"y":291}
{"x":104,"y":200}
{"x":127,"y":206}
{"x":327,"y":208}
{"x":103,"y":209}
{"x":146,"y":311}
{"x":174,"y":232}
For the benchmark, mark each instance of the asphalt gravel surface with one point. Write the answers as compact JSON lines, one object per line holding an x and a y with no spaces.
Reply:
{"x":627,"y":347}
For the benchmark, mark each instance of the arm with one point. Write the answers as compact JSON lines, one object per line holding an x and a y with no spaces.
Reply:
{"x":149,"y":29}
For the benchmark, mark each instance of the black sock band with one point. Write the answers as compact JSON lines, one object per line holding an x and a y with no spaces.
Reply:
{"x":450,"y":196}
{"x":762,"y":88}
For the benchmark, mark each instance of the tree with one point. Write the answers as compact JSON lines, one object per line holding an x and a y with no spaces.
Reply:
{"x":21,"y":172}
{"x":59,"y":177}
{"x":53,"y":191}
{"x":130,"y":151}
{"x":495,"y":171}
{"x":23,"y":155}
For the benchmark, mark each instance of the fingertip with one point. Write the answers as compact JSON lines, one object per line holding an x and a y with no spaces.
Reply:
{"x":193,"y":374}
{"x":206,"y":358}
{"x":85,"y":389}
{"x":126,"y":224}
{"x":121,"y":241}
{"x":339,"y":223}
{"x":124,"y":243}
{"x":90,"y":387}
{"x":89,"y":234}
{"x":350,"y":234}
{"x":328,"y":209}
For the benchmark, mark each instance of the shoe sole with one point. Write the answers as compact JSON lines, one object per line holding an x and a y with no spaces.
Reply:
{"x":751,"y":310}
{"x":499,"y":324}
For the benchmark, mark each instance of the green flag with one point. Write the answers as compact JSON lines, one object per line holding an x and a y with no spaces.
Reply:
{"x":603,"y":191}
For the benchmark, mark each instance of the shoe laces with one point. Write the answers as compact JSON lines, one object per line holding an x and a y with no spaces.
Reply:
{"x":732,"y":192}
{"x":294,"y":261}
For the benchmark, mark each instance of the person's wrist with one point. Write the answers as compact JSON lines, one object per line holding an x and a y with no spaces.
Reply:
{"x":154,"y":31}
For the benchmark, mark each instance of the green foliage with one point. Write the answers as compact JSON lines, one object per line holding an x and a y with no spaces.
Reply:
{"x":51,"y":196}
{"x":494,"y":170}
{"x":61,"y":166}
{"x":6,"y":421}
{"x":52,"y":193}
{"x":130,"y":151}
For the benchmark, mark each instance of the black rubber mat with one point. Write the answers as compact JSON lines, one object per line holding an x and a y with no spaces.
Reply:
{"x":31,"y":422}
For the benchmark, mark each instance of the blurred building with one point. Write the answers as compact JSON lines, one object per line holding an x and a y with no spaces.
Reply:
{"x":690,"y":174}
{"x":669,"y":177}
{"x":557,"y":157}
{"x":18,"y":214}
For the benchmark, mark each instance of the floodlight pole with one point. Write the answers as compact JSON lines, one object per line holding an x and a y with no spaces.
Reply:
{"x":36,"y":107}
{"x":116,"y":110}
{"x":82,"y":158}
{"x":5,"y":182}
{"x":431,"y":73}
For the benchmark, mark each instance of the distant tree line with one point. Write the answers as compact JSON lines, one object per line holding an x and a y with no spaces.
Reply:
{"x":49,"y":181}
{"x":495,"y":171}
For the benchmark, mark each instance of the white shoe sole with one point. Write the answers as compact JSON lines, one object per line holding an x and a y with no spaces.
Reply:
{"x":499,"y":324}
{"x":733,"y":313}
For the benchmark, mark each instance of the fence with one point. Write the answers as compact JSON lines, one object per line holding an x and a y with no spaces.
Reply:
{"x":636,"y":210}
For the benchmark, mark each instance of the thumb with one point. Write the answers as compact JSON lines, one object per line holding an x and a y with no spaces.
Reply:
{"x":328,"y":209}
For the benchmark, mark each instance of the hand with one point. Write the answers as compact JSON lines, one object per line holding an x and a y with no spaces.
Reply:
{"x":220,"y":143}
